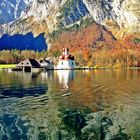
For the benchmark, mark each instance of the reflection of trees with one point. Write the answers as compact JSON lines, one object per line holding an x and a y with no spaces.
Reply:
{"x":72,"y":123}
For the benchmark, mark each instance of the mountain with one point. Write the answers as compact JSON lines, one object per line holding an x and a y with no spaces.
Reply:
{"x":47,"y":15}
{"x":117,"y":19}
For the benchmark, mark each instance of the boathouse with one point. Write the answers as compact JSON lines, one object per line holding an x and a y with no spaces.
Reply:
{"x":47,"y":64}
{"x":29,"y":65}
{"x":66,"y":60}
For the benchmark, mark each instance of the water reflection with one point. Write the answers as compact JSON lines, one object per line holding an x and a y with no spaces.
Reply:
{"x":13,"y":127}
{"x":103,"y":104}
{"x":20,"y":85}
{"x":65,"y":76}
{"x":49,"y":75}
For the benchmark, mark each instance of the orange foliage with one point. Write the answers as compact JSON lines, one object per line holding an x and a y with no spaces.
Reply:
{"x":94,"y":36}
{"x":97,"y":45}
{"x":130,"y":42}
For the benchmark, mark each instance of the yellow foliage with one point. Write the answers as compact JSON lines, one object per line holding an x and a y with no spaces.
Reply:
{"x":96,"y":66}
{"x":117,"y":66}
{"x":89,"y":64}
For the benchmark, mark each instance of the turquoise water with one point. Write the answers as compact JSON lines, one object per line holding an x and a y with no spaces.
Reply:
{"x":79,"y":105}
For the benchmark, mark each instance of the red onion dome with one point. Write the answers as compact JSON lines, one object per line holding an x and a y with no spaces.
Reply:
{"x":61,"y":57}
{"x":66,"y":57}
{"x":72,"y":57}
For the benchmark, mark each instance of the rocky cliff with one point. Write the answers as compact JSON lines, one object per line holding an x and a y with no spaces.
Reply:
{"x":12,"y":10}
{"x":46,"y":16}
{"x":121,"y":14}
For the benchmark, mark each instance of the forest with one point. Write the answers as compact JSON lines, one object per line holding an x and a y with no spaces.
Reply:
{"x":86,"y":57}
{"x":15,"y":56}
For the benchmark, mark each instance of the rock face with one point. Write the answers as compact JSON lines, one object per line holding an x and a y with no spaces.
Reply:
{"x":123,"y":14}
{"x":12,"y":10}
{"x":45,"y":11}
{"x":119,"y":16}
{"x":46,"y":16}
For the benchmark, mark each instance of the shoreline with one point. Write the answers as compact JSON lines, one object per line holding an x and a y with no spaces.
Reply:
{"x":12,"y":66}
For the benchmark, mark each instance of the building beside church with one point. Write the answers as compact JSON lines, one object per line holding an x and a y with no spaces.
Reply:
{"x":47,"y":64}
{"x":29,"y":65}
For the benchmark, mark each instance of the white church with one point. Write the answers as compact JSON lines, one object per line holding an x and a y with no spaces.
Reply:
{"x":66,"y":60}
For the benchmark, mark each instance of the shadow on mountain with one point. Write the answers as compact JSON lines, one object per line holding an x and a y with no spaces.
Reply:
{"x":23,"y":42}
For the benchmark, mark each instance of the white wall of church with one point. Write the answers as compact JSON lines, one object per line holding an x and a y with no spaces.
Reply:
{"x":66,"y":64}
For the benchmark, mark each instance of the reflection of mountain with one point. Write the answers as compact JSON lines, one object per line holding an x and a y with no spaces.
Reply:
{"x":13,"y":127}
{"x":22,"y":91}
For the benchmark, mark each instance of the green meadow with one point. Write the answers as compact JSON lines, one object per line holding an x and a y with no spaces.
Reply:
{"x":5,"y":66}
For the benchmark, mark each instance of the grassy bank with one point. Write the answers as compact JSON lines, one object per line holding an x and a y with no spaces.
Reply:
{"x":5,"y":66}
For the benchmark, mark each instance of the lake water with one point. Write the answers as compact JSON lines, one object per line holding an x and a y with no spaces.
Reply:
{"x":70,"y":105}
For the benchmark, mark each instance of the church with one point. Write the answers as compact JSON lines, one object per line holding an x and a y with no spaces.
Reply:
{"x":66,"y":60}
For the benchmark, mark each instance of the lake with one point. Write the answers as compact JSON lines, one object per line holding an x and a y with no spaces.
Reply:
{"x":70,"y":105}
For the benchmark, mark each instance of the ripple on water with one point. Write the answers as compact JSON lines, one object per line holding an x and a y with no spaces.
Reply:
{"x":13,"y":127}
{"x":34,"y":105}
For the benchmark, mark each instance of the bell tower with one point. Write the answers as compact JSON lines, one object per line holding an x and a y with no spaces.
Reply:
{"x":66,"y":51}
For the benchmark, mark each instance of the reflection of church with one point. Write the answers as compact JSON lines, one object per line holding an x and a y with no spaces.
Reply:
{"x":65,"y":76}
{"x":66,"y":60}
